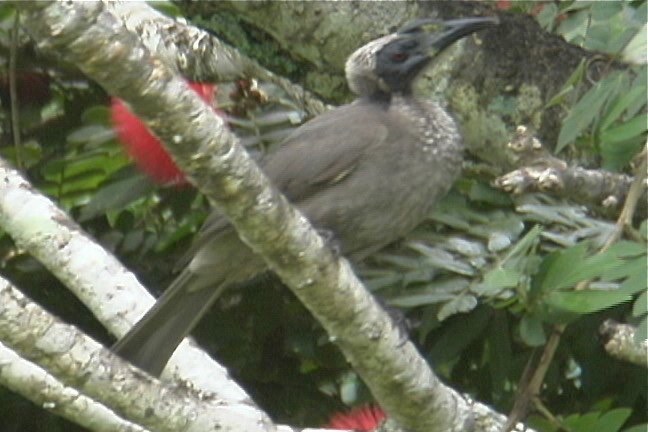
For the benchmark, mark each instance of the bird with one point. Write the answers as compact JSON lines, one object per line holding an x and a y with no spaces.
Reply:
{"x":367,"y":173}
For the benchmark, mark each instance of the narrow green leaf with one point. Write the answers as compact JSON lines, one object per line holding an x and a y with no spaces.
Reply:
{"x":117,"y":195}
{"x":547,"y":16}
{"x":640,"y":81}
{"x":621,"y":104}
{"x":587,"y":301}
{"x":430,"y":294}
{"x":459,"y":304}
{"x":586,"y":109}
{"x":635,"y":51}
{"x":574,"y":28}
{"x":577,"y":76}
{"x":642,"y":331}
{"x":497,"y":280}
{"x":627,"y":130}
{"x":617,"y":155}
{"x":640,"y":306}
{"x":559,"y":97}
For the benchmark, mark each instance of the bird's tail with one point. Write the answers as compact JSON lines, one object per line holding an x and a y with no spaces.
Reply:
{"x":152,"y":341}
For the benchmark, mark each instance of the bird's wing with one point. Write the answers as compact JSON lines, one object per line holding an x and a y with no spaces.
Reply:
{"x":324,"y":151}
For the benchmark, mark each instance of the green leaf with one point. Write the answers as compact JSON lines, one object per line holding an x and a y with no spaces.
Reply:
{"x":567,"y":267}
{"x":636,"y":281}
{"x":459,"y":334}
{"x":637,"y":428}
{"x":626,"y":131}
{"x":459,"y":304}
{"x":547,"y":16}
{"x":97,"y":114}
{"x":626,"y":248}
{"x":95,"y":134}
{"x":586,"y":110}
{"x":574,"y":28}
{"x":431,"y":294}
{"x":640,"y":81}
{"x":586,"y":301}
{"x":642,"y":331}
{"x":525,"y":245}
{"x":621,"y":104}
{"x":481,"y":192}
{"x":617,"y":155}
{"x":496,"y":280}
{"x":117,"y":195}
{"x":570,"y":85}
{"x":635,"y":51}
{"x":582,"y":423}
{"x":612,"y":421}
{"x":532,"y":331}
{"x":640,"y":306}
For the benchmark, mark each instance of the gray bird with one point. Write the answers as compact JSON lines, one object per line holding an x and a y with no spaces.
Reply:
{"x":368,"y":173}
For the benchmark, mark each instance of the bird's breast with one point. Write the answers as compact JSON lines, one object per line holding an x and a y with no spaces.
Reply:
{"x":396,"y":183}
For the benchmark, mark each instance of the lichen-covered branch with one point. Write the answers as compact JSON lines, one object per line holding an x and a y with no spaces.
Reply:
{"x":199,"y":55}
{"x":37,"y":225}
{"x":68,"y":354}
{"x":620,"y":342}
{"x":35,"y":384}
{"x":539,"y":171}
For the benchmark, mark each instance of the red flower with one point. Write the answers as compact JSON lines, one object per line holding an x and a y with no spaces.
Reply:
{"x":362,"y":419}
{"x":143,"y":147}
{"x":503,"y":4}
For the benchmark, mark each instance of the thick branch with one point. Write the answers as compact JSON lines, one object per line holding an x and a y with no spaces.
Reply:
{"x":92,"y":273}
{"x":38,"y":386}
{"x":68,"y":354}
{"x":539,"y":171}
{"x":199,"y":55}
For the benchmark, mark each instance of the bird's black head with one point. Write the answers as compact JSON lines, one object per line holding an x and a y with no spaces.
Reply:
{"x":390,"y":64}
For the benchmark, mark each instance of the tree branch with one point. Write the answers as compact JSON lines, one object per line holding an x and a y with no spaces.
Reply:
{"x":621,"y":343}
{"x":38,"y":386}
{"x":539,"y":171}
{"x":92,"y":274}
{"x":68,"y":354}
{"x":199,"y":55}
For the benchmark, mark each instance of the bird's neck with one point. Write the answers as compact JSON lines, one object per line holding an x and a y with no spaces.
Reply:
{"x":385,"y":98}
{"x":431,"y":123}
{"x":381,"y":98}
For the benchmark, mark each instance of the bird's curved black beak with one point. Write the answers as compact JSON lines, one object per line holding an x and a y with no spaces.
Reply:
{"x":441,"y":34}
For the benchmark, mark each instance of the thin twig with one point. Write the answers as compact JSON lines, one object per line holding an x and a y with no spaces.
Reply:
{"x":624,"y":222}
{"x":528,"y":392}
{"x":13,"y":91}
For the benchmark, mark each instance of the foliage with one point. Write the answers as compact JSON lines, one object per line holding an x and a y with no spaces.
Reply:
{"x":611,"y":116}
{"x":483,"y":282}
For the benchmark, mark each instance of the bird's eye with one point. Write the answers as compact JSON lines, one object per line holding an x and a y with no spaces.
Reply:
{"x":399,"y":57}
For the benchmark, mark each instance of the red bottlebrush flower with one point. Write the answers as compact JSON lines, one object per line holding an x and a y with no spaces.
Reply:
{"x":503,"y":4}
{"x":361,"y":419}
{"x":144,"y":148}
